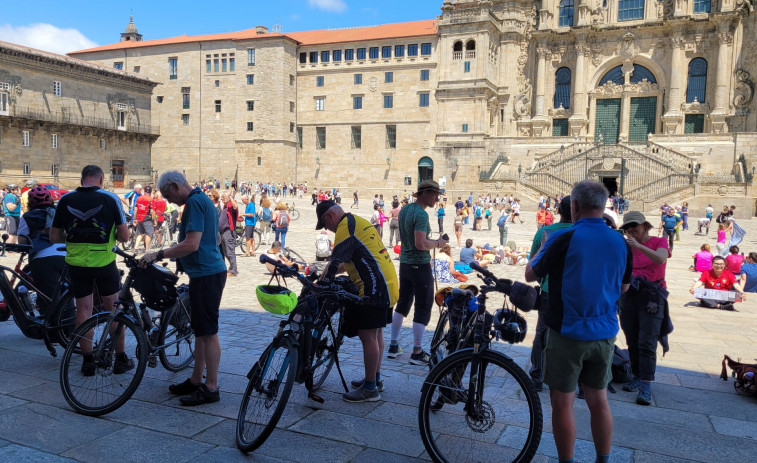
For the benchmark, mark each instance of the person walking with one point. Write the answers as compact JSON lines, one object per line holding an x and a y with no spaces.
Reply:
{"x":394,"y":223}
{"x":502,"y":225}
{"x":363,"y":256}
{"x":582,"y":325}
{"x":668,"y":226}
{"x":250,"y":220}
{"x":459,"y":217}
{"x":90,"y":220}
{"x":265,"y":220}
{"x":227,"y":220}
{"x":644,"y":307}
{"x":281,"y":219}
{"x":143,"y":212}
{"x":198,"y":253}
{"x":416,"y":280}
{"x":12,"y":206}
{"x":440,"y":218}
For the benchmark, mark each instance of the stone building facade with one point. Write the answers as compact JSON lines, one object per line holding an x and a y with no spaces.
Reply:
{"x":656,"y":99}
{"x":58,"y":114}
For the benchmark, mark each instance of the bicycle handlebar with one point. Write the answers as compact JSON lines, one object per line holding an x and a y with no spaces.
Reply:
{"x":16,"y":247}
{"x":500,"y":284}
{"x":293,"y":271}
{"x":131,"y":261}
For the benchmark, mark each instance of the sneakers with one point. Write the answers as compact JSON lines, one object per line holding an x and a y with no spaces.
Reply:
{"x":358,"y":383}
{"x":183,"y":388}
{"x":122,"y":364}
{"x":394,"y":351}
{"x":633,"y":386}
{"x":89,"y":367}
{"x":201,"y":395}
{"x":645,"y":393}
{"x":362,"y":394}
{"x":421,"y":358}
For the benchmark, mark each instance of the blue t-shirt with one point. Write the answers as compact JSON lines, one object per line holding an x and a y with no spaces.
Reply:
{"x":132,"y":198}
{"x":12,"y":199}
{"x":250,"y":209}
{"x":201,"y":215}
{"x":466,"y":255}
{"x":750,"y":270}
{"x":669,"y":222}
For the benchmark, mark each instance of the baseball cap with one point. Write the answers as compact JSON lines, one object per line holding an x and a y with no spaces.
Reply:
{"x":320,"y":210}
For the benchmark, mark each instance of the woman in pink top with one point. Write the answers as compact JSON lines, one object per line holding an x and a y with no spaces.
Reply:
{"x":734,"y":260}
{"x":721,"y":239}
{"x":643,"y":306}
{"x":703,"y":259}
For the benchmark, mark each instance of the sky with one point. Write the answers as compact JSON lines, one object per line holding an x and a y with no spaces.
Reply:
{"x":74,"y":25}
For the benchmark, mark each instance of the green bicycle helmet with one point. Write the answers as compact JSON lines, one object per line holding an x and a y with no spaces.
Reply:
{"x":277,"y":300}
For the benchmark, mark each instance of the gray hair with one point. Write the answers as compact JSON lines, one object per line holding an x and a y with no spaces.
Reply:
{"x":171,"y":177}
{"x":589,"y":195}
{"x":138,"y":186}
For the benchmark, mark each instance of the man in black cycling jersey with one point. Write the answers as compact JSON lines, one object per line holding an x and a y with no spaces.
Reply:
{"x":360,"y":252}
{"x":89,"y":220}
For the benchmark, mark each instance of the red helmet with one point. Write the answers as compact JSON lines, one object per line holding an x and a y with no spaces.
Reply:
{"x":40,"y":196}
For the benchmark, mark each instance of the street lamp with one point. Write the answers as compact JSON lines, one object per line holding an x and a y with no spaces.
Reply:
{"x":456,"y":161}
{"x":317,"y":160}
{"x":520,"y":169}
{"x":388,"y":160}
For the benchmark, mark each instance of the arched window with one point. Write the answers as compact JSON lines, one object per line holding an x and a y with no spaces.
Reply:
{"x":566,"y":13}
{"x":562,"y":88}
{"x":458,"y":46}
{"x":425,"y":169}
{"x":702,"y":6}
{"x":630,"y":9}
{"x":697,"y":86}
{"x":639,"y":73}
{"x":471,"y":45}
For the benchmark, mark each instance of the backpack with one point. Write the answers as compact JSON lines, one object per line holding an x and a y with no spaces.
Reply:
{"x":478,"y":212}
{"x":502,"y":220}
{"x":266,"y":214}
{"x":283,"y":220}
{"x":322,"y":246}
{"x":621,"y":366}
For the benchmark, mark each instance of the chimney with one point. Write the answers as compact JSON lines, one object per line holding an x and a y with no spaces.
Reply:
{"x":261,"y":30}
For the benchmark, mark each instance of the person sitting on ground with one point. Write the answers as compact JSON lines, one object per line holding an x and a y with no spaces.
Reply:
{"x":749,"y":273}
{"x":444,"y":266}
{"x":702,"y":259}
{"x":734,"y":260}
{"x":512,"y":257}
{"x":469,"y":255}
{"x":720,"y":279}
{"x":275,"y":254}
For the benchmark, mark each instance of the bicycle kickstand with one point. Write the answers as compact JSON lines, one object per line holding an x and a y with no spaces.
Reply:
{"x":49,"y":345}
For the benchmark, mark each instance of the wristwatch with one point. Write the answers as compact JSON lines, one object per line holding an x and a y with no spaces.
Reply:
{"x":160,"y":255}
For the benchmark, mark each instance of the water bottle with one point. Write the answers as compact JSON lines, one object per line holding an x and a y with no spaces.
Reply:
{"x":749,"y":376}
{"x":26,"y":302}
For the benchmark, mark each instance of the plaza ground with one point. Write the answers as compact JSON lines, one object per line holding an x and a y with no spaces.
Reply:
{"x":695,"y":416}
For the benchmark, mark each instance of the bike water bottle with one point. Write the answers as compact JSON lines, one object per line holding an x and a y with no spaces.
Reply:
{"x":26,"y":302}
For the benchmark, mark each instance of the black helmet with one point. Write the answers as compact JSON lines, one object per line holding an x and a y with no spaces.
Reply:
{"x":511,"y":325}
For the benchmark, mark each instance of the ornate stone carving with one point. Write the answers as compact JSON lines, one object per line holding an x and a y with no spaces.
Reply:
{"x":678,"y":42}
{"x":725,"y":38}
{"x":559,"y":112}
{"x":522,"y":102}
{"x":611,"y":88}
{"x":627,"y":49}
{"x":522,"y":106}
{"x":695,"y":107}
{"x":744,"y":88}
{"x":599,"y":13}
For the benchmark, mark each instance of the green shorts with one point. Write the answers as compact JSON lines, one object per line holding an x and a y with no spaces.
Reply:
{"x":568,"y":361}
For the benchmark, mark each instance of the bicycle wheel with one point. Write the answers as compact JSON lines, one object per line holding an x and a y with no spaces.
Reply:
{"x":506,"y":424}
{"x":64,"y":321}
{"x":324,"y":353}
{"x":267,"y":393}
{"x":106,"y":390}
{"x":437,"y":349}
{"x":241,"y":241}
{"x":294,"y":214}
{"x":175,"y":328}
{"x":129,"y":245}
{"x":293,"y":256}
{"x":258,"y":238}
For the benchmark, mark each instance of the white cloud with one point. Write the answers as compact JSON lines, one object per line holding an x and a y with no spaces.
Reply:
{"x":46,"y":37}
{"x":336,"y":6}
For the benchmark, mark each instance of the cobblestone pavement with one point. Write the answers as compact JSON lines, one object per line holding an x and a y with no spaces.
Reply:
{"x":695,"y":416}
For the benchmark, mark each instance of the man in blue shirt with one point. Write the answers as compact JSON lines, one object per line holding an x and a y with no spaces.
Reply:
{"x":669,"y":224}
{"x":589,"y":266}
{"x":250,"y":220}
{"x":130,"y":198}
{"x":749,"y":273}
{"x":200,"y":257}
{"x":12,"y":206}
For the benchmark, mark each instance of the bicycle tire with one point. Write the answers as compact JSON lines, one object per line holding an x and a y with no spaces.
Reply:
{"x":241,"y":242}
{"x":175,"y":325}
{"x":109,"y":389}
{"x":293,"y":256}
{"x":437,"y":347}
{"x":263,"y":388}
{"x":294,"y":214}
{"x":326,"y":350}
{"x":129,"y":244}
{"x":509,"y":433}
{"x":64,"y":321}
{"x":258,"y":238}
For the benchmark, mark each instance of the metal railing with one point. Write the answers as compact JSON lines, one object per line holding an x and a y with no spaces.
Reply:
{"x":56,"y":117}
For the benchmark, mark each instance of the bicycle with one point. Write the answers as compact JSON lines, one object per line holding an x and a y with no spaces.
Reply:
{"x":242,"y":241}
{"x":53,"y":327}
{"x":169,"y":337}
{"x":162,"y":231}
{"x":477,"y":403}
{"x":303,"y":350}
{"x":294,"y":214}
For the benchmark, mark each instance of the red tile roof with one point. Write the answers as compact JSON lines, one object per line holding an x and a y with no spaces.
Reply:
{"x":317,"y":37}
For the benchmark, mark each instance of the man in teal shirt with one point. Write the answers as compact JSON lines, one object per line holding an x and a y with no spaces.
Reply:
{"x":537,"y":350}
{"x":250,"y":220}
{"x":416,"y":279}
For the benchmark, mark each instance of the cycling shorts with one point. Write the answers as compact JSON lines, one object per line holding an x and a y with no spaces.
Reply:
{"x":107,"y":279}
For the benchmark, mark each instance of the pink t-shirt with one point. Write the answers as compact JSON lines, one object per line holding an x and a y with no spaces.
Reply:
{"x":704,"y":261}
{"x":721,"y":236}
{"x":733,"y":263}
{"x":645,"y":267}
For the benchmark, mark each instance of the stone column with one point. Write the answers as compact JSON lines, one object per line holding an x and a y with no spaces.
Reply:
{"x":673,"y":117}
{"x":719,"y":114}
{"x":578,"y":120}
{"x":540,"y":120}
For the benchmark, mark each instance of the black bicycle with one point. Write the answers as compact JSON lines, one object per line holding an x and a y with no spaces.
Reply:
{"x":158,"y":327}
{"x":476,"y":403}
{"x":242,"y":241}
{"x":304,"y":350}
{"x":23,"y":299}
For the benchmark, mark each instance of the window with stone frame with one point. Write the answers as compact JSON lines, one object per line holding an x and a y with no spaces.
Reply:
{"x":357,"y":137}
{"x":358,"y":79}
{"x":349,"y":54}
{"x":218,"y":106}
{"x":357,"y":102}
{"x":391,"y":137}
{"x":25,"y":138}
{"x":399,"y":51}
{"x":121,"y":109}
{"x":319,"y":104}
{"x":299,"y":137}
{"x":54,"y":141}
{"x":629,"y":10}
{"x":386,"y":52}
{"x":373,"y":53}
{"x":412,"y":49}
{"x":566,"y":13}
{"x":250,"y":105}
{"x":27,"y":170}
{"x":320,"y":138}
{"x":388,"y":101}
{"x":185,"y":97}
{"x":559,"y":127}
{"x":425,"y":74}
{"x":325,"y":56}
{"x":4,"y":103}
{"x":336,"y":55}
{"x":702,"y":6}
{"x":250,"y":57}
{"x":424,"y":100}
{"x":57,"y":88}
{"x":562,"y":88}
{"x":185,"y":119}
{"x":361,"y":53}
{"x":425,"y":49}
{"x":696,"y":88}
{"x":173,"y":68}
{"x":250,"y":126}
{"x":693,"y":123}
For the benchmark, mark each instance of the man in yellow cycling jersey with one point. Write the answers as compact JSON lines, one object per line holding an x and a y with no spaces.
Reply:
{"x":360,"y":252}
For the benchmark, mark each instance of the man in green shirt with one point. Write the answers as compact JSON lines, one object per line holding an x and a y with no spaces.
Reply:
{"x":416,"y":278}
{"x":537,"y":350}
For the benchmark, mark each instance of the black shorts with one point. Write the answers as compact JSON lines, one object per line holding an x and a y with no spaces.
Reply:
{"x":145,"y":228}
{"x":205,"y":299}
{"x":416,"y":282}
{"x":248,"y":231}
{"x":364,"y":317}
{"x":84,"y":279}
{"x":12,"y":224}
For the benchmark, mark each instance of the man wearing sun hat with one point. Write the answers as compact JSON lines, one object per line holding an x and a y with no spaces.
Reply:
{"x":416,"y":278}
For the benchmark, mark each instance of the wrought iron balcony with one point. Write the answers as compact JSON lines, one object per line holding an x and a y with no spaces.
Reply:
{"x":55,"y":117}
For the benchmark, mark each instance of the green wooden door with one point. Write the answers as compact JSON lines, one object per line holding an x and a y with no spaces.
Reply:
{"x":642,"y":118}
{"x":608,"y":120}
{"x":694,"y":123}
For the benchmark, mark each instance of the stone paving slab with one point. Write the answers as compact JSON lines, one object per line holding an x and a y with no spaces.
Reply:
{"x":20,"y":454}
{"x":695,"y":416}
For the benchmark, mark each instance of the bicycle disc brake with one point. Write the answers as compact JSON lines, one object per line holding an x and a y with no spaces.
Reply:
{"x":481,"y":419}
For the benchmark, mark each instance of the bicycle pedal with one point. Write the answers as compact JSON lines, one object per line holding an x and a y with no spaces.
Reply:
{"x":152,"y":362}
{"x":316,"y":398}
